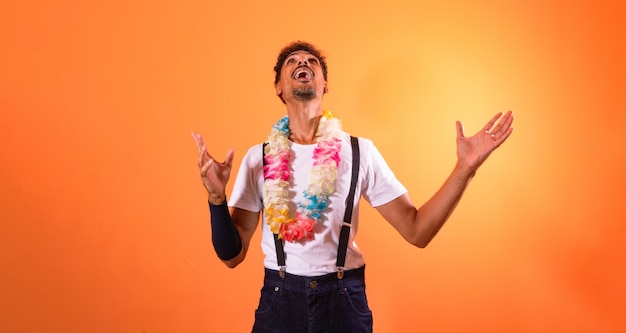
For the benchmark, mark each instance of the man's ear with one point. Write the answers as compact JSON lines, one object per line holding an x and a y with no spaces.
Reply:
{"x":278,"y":90}
{"x":325,"y":88}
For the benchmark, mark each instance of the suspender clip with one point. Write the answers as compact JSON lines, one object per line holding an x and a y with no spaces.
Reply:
{"x":281,"y":272}
{"x":340,"y":272}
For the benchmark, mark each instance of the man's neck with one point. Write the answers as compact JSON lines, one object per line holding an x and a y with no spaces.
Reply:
{"x":304,"y":117}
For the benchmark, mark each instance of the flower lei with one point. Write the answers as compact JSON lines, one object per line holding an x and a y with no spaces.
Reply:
{"x":321,"y":181}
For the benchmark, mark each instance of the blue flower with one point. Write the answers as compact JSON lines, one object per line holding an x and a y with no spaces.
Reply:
{"x":282,"y":125}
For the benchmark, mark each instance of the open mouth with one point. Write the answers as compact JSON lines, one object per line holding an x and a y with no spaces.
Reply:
{"x":302,"y":74}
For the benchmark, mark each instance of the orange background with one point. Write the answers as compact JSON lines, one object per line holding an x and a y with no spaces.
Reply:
{"x":104,"y":224}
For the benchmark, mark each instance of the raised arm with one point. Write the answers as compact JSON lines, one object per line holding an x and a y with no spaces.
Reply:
{"x":419,"y":226}
{"x":231,"y":230}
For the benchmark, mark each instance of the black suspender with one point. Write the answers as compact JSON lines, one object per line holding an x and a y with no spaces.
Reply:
{"x":347,"y":219}
{"x":280,"y":255}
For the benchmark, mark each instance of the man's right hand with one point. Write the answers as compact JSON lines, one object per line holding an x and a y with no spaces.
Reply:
{"x":214,"y":175}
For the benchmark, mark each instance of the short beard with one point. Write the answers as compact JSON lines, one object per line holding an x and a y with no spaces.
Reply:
{"x":304,"y":93}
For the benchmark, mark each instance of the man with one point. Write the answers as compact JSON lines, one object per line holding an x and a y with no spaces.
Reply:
{"x":301,"y":178}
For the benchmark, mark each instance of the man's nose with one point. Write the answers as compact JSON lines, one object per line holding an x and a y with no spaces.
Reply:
{"x":303,"y":62}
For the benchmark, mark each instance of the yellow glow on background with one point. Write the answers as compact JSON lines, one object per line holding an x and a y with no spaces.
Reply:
{"x":104,"y":224}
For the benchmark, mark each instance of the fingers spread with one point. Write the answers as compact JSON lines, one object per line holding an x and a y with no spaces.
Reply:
{"x":202,"y":150}
{"x":493,"y":120}
{"x":508,"y":120}
{"x":500,"y":139}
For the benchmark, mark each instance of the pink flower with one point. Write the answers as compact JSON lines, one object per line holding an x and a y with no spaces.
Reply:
{"x":305,"y":222}
{"x":291,"y":232}
{"x":299,"y":229}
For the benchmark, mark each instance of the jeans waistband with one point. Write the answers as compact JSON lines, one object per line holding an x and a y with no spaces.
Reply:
{"x":321,"y":283}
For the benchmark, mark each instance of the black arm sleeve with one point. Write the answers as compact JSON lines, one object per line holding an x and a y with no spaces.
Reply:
{"x":226,"y":240}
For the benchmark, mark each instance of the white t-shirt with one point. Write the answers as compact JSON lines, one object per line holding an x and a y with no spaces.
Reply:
{"x":376,"y":183}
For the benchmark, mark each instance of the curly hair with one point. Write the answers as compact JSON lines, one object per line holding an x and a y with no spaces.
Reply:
{"x":299,"y":46}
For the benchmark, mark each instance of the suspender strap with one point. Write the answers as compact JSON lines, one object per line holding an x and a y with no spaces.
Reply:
{"x":347,"y":218}
{"x":280,"y":256}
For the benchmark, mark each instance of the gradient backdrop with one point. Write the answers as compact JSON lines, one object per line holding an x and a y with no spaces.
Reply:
{"x":104,"y":224}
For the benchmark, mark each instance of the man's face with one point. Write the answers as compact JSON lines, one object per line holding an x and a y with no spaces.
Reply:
{"x":301,"y":78}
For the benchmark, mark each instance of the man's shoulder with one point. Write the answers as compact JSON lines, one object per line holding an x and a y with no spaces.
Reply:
{"x":255,"y":152}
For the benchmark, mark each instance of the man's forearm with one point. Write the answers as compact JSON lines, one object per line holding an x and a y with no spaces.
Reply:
{"x":436,"y":211}
{"x":226,"y":239}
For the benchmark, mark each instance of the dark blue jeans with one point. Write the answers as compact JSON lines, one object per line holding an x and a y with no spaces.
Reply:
{"x":297,"y":304}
